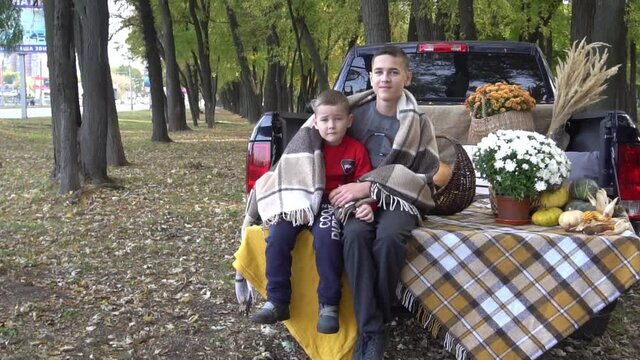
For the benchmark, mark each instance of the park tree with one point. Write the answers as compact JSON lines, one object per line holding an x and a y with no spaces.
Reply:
{"x":10,"y":25}
{"x":80,"y":142}
{"x":604,"y":21}
{"x":375,"y":17}
{"x":176,"y":117}
{"x":274,"y":89}
{"x":92,"y":33}
{"x":250,"y":105}
{"x":65,"y":109}
{"x":154,"y":67}
{"x":432,"y":20}
{"x":189,"y":76}
{"x":115,"y":154}
{"x":467,"y":24}
{"x":310,"y":43}
{"x":200,"y":11}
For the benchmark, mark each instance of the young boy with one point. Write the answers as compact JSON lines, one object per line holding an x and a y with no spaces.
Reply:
{"x":345,"y":160}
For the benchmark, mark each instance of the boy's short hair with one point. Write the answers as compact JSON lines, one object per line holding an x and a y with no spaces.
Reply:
{"x":332,"y":98}
{"x":394,"y":51}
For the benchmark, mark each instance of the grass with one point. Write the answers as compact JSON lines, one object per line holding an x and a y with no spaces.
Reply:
{"x":94,"y":268}
{"x":145,"y":271}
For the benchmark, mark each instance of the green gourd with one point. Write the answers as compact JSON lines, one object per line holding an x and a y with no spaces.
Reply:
{"x":579,"y":205}
{"x":582,"y":188}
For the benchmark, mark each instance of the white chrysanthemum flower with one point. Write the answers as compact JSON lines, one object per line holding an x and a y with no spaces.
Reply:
{"x":517,"y":156}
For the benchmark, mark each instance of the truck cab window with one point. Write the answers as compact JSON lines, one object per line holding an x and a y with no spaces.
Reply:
{"x":438,"y":76}
{"x":357,"y":77}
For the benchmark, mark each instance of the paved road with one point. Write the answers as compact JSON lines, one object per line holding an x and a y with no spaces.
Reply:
{"x":16,"y":113}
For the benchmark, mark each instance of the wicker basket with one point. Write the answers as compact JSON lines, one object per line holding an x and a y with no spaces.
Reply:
{"x":510,"y":120}
{"x":461,"y":188}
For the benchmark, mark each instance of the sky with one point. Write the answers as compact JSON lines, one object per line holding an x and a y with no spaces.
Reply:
{"x":118,"y":50}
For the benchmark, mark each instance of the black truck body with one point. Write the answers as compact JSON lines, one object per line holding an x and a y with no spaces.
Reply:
{"x":443,"y":75}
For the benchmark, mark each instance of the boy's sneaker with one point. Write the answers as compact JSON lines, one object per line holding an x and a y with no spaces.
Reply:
{"x":328,"y":319}
{"x":270,"y":313}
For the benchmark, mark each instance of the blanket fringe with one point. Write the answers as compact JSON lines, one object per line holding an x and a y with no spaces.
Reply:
{"x":390,"y":202}
{"x":430,"y":322}
{"x":304,"y":216}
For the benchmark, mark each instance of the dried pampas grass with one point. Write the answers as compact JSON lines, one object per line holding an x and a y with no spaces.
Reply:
{"x":579,"y":79}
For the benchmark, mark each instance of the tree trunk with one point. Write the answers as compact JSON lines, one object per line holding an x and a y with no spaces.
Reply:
{"x":412,"y":30}
{"x":154,"y":68}
{"x":428,"y":29}
{"x":65,"y":110}
{"x":609,"y":27}
{"x":249,"y":94}
{"x":176,"y":117}
{"x":93,"y":17}
{"x":582,"y":17}
{"x":441,"y":21}
{"x":375,"y":16}
{"x":50,"y":28}
{"x":423,"y":21}
{"x":201,"y":26}
{"x":298,"y":53}
{"x":633,"y":88}
{"x":115,"y":150}
{"x":281,"y":81}
{"x":467,"y":24}
{"x":270,"y":96}
{"x":190,"y":77}
{"x":323,"y":80}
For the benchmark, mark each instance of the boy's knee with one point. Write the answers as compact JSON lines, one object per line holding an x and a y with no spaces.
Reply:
{"x":391,"y":246}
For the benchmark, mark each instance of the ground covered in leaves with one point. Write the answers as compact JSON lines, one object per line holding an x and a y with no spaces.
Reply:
{"x":144,"y":270}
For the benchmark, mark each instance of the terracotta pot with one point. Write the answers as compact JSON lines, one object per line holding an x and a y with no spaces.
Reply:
{"x":512,"y":211}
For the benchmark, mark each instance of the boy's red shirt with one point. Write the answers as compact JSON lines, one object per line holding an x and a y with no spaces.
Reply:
{"x":345,"y":163}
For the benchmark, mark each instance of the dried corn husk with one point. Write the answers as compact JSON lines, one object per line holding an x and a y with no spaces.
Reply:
{"x":613,"y":226}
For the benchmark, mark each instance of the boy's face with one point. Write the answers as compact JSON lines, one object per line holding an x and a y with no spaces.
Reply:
{"x":332,"y":121}
{"x":388,"y":77}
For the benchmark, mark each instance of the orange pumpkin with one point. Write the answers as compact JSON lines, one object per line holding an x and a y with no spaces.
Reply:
{"x":443,"y":175}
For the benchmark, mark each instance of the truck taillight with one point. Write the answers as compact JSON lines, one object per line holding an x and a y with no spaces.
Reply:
{"x":628,"y":175}
{"x":258,"y":162}
{"x":442,"y":47}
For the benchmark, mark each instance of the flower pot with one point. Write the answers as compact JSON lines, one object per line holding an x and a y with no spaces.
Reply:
{"x":512,"y":211}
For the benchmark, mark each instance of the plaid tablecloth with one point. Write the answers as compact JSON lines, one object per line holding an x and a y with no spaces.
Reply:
{"x":496,"y":292}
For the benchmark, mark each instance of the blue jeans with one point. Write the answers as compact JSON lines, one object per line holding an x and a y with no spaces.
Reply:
{"x":328,"y":252}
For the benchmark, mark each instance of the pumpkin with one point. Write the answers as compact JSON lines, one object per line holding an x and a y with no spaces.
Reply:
{"x":442,"y":177}
{"x":546,"y":216}
{"x":569,"y":219}
{"x":556,"y":198}
{"x":579,"y":205}
{"x":582,"y":188}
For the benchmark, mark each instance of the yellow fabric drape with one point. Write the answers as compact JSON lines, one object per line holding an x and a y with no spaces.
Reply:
{"x":250,"y":262}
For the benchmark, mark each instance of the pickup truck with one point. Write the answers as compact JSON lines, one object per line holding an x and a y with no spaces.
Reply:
{"x":444,"y":74}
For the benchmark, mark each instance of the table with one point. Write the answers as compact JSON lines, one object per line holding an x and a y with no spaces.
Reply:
{"x":500,"y":292}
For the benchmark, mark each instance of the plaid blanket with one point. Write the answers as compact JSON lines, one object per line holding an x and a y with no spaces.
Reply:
{"x":510,"y":292}
{"x":293,"y":189}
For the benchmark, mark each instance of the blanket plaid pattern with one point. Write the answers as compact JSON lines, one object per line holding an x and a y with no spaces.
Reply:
{"x":499,"y":292}
{"x":293,"y":189}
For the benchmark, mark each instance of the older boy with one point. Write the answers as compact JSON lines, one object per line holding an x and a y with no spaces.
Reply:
{"x":403,"y":151}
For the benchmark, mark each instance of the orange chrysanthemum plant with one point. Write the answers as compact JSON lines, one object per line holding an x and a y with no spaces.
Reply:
{"x":492,"y":99}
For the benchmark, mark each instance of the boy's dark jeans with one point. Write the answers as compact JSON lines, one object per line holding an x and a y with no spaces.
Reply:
{"x":328,"y":253}
{"x":374,"y":254}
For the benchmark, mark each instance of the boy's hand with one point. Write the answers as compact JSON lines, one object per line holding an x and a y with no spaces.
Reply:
{"x":364,"y":212}
{"x":349,"y":192}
